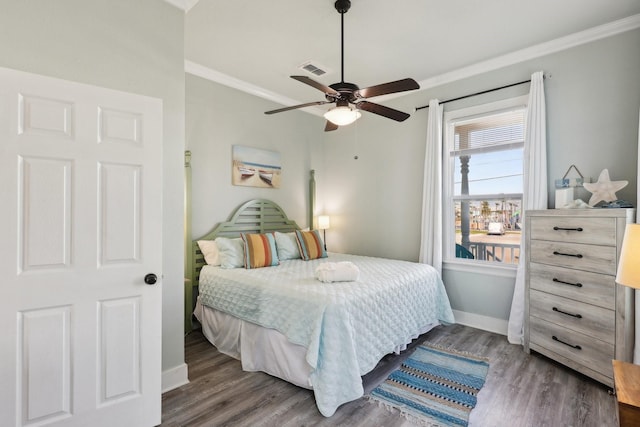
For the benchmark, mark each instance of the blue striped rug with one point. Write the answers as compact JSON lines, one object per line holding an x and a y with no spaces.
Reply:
{"x":436,"y":386}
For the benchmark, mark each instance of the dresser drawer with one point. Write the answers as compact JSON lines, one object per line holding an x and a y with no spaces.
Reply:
{"x":593,"y":231}
{"x":581,"y":349}
{"x":597,"y":259}
{"x":596,"y":322}
{"x":592,"y":288}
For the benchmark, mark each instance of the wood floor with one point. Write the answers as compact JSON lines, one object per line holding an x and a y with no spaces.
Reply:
{"x":521,"y":390}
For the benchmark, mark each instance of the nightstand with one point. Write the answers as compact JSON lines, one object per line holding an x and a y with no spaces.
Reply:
{"x":626,"y":377}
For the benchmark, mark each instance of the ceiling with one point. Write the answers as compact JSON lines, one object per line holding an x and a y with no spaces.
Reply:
{"x":255,"y":45}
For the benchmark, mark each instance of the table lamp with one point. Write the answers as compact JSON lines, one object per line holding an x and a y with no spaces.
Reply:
{"x":626,"y":374}
{"x":323,"y":223}
{"x":629,"y":265}
{"x":628,"y":274}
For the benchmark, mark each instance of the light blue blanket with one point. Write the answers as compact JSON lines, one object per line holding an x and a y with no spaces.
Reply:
{"x":347,"y":327}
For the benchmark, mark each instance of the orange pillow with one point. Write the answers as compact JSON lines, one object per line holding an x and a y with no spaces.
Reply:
{"x":310,"y":245}
{"x":259,"y":250}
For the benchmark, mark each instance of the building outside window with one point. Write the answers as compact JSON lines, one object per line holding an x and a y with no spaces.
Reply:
{"x":483,"y":179}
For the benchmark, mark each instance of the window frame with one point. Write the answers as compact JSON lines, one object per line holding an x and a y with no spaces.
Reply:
{"x":448,"y":174}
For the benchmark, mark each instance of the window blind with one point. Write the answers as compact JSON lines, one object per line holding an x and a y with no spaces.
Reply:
{"x":489,"y":133}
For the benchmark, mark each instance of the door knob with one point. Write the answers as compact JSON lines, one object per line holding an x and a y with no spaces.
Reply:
{"x":150,"y":279}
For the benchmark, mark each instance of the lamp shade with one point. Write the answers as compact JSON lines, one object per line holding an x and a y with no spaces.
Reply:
{"x":323,"y":222}
{"x":342,"y":115}
{"x":629,"y":265}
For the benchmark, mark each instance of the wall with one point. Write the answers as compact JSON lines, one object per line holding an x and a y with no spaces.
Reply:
{"x":218,"y":117}
{"x":375,"y":201}
{"x":135,"y":47}
{"x":370,"y":174}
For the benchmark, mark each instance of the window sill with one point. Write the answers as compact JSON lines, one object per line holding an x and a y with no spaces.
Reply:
{"x":479,"y":267}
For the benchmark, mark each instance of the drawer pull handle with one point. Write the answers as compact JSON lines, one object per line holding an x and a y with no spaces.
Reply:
{"x":578,"y":284}
{"x":577,"y":316}
{"x":577,"y":347}
{"x":568,"y":229}
{"x":563,"y":254}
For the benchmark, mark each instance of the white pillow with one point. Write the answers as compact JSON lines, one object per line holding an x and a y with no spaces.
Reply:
{"x":287,"y":246}
{"x":210,"y":251}
{"x":230,"y":252}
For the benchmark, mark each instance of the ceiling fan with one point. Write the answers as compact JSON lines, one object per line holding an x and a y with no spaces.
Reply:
{"x":348,"y":95}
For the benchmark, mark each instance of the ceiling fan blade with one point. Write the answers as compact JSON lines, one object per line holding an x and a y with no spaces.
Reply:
{"x":381,"y":110}
{"x":293,"y":107}
{"x":386,"y":88}
{"x":330,"y":126}
{"x":308,"y":81}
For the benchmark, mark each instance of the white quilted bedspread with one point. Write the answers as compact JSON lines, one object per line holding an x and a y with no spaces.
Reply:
{"x":347,"y":327}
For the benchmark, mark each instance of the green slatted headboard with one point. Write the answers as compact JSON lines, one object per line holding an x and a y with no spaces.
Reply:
{"x":254,"y":216}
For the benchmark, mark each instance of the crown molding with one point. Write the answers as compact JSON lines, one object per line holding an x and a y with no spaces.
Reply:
{"x":536,"y":51}
{"x":199,"y":70}
{"x":184,"y":5}
{"x":576,"y":39}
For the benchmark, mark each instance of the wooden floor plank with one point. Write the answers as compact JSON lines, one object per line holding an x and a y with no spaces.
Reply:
{"x":521,"y":390}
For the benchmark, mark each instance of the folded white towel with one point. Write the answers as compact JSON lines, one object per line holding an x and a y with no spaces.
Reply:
{"x":344,"y":271}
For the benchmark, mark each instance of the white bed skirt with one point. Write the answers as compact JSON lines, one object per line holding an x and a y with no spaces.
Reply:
{"x":261,"y":349}
{"x":258,"y":348}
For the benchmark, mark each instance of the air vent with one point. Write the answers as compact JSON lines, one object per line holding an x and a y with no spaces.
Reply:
{"x":313,"y":68}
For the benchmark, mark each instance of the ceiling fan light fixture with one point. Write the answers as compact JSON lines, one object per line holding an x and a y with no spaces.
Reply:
{"x":342,"y":115}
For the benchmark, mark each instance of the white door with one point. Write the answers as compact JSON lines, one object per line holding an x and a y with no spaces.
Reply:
{"x":80,"y":227}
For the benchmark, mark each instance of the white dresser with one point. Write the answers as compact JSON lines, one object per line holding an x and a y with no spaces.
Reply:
{"x":574,"y":310}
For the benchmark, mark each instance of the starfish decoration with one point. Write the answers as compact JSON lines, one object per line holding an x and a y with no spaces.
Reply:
{"x":604,"y":189}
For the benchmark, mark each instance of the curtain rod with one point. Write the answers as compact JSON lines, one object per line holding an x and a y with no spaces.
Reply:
{"x":477,"y":93}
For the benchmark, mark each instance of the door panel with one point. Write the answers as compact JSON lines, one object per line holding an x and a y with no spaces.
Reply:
{"x":44,"y":351}
{"x":120,"y":206}
{"x":119,"y":350}
{"x":120,"y":126}
{"x":52,"y":117}
{"x":45,"y":213}
{"x":81,"y":222}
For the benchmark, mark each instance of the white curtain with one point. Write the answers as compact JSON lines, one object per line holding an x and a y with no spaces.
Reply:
{"x":431,"y":244}
{"x":535,"y":192}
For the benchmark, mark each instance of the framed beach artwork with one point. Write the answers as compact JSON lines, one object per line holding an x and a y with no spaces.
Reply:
{"x":253,"y":167}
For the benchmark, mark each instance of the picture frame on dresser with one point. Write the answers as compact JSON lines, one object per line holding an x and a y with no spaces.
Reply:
{"x":575,"y":312}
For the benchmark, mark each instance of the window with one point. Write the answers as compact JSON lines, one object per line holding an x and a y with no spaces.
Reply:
{"x":483,"y":178}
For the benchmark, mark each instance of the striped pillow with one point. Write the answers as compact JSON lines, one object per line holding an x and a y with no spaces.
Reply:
{"x":259,"y":250}
{"x":310,"y":245}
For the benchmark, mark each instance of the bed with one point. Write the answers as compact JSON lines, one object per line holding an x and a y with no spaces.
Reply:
{"x":281,"y":320}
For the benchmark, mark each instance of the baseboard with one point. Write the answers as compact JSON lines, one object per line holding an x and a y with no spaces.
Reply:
{"x":175,"y":377}
{"x":486,"y":323}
